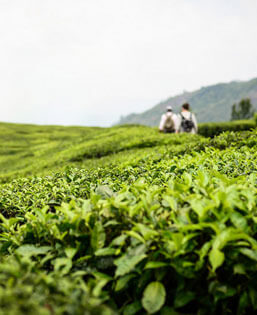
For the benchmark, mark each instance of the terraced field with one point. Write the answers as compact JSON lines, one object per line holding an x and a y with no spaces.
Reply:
{"x":125,"y":220}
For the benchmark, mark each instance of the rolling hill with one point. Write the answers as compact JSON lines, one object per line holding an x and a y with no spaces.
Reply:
{"x":211,"y":103}
{"x":28,"y":150}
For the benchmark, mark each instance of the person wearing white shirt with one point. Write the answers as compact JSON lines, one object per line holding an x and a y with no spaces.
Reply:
{"x":169,"y":122}
{"x":187,"y":120}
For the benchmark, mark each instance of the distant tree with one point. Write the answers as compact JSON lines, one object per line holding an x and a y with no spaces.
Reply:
{"x":243,"y":110}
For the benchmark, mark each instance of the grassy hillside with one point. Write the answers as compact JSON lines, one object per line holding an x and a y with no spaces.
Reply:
{"x":145,"y":224}
{"x":212,"y":103}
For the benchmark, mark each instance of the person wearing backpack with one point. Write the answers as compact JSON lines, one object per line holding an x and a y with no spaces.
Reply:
{"x":188,"y":121}
{"x":169,"y":122}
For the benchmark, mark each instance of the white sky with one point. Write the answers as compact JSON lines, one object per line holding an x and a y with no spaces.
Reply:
{"x":86,"y":62}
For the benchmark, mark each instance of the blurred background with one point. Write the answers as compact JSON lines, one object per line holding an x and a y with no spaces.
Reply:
{"x":89,"y":62}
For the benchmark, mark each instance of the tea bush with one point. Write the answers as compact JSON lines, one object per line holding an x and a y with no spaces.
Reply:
{"x":169,"y":229}
{"x":214,"y":129}
{"x":36,"y":150}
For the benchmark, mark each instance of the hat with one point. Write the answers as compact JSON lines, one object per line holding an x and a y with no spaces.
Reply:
{"x":169,"y":109}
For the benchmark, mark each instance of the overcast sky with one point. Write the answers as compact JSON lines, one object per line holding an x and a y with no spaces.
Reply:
{"x":87,"y":62}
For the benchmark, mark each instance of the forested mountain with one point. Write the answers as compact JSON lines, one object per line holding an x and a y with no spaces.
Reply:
{"x":211,"y":103}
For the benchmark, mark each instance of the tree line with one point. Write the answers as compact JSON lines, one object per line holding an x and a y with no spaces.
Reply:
{"x":242,"y":110}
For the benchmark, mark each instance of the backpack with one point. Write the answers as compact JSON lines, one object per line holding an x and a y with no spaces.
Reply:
{"x":187,"y":124}
{"x":169,"y":123}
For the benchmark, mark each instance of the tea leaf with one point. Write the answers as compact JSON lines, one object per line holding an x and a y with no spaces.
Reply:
{"x":31,"y":250}
{"x":98,"y":236}
{"x":216,"y":258}
{"x":126,"y":263}
{"x":154,"y":297}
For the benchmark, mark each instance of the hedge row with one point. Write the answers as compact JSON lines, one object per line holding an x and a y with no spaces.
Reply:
{"x":166,"y":235}
{"x":214,"y":128}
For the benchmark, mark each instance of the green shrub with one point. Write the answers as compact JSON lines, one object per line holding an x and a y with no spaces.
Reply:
{"x":35,"y":150}
{"x":167,"y":232}
{"x":189,"y":245}
{"x":213,"y":129}
{"x":255,"y":118}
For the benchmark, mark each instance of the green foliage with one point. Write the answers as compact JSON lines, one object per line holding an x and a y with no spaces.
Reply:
{"x":243,"y":110}
{"x":29,"y":150}
{"x":36,"y":150}
{"x":255,"y":118}
{"x":153,"y":297}
{"x":214,"y":129}
{"x":169,"y":229}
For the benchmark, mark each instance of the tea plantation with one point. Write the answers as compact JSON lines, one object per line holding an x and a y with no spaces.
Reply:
{"x":125,"y":220}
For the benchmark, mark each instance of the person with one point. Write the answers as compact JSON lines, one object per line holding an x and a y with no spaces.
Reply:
{"x":188,"y":121}
{"x":169,"y":122}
